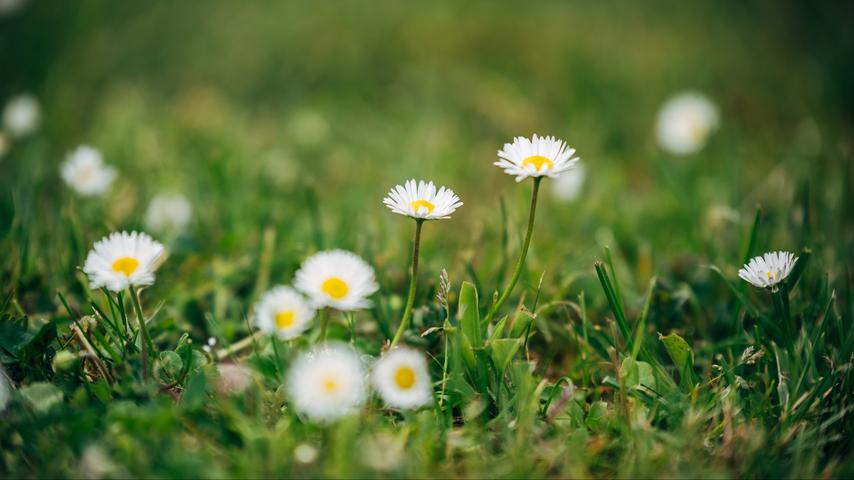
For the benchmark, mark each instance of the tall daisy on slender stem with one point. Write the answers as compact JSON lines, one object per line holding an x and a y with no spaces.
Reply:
{"x":536,"y":158}
{"x":336,"y":279}
{"x":419,"y":201}
{"x":126,"y":261}
{"x":770,"y":271}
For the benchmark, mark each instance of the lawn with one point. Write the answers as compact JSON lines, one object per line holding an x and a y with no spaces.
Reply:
{"x":608,"y":335}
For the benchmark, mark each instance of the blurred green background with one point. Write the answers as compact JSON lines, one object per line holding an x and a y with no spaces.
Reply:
{"x":253,"y":108}
{"x":285,"y":124}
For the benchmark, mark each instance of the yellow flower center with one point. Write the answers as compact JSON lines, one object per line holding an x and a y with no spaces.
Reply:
{"x":404,"y":377}
{"x":770,"y":275}
{"x":537,"y":161}
{"x":335,"y":288}
{"x":125,"y":265}
{"x":285,"y":319}
{"x":422,"y":203}
{"x":330,"y":384}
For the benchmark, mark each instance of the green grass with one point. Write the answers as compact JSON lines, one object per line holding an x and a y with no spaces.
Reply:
{"x":629,"y":346}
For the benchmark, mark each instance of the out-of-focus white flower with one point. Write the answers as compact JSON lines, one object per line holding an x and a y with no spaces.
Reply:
{"x":536,"y":157}
{"x":685,"y":122}
{"x":327,"y":382}
{"x":337,"y":279}
{"x":283,"y":312}
{"x":124,"y":259}
{"x":567,"y":187}
{"x":85,"y":172}
{"x":22,"y":115}
{"x":95,"y":463}
{"x":233,"y":378}
{"x":168,"y":211}
{"x":421,"y":200}
{"x":401,"y":378}
{"x":769,"y":269}
{"x":305,"y":453}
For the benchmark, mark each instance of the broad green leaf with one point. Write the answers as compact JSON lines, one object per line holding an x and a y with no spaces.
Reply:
{"x":172,"y":363}
{"x":468,"y":314}
{"x":503,"y":350}
{"x":681,"y":354}
{"x":597,"y":417}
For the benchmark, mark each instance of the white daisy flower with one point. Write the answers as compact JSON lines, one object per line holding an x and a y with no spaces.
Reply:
{"x":121,"y":260}
{"x":284,"y":312}
{"x":542,"y":156}
{"x":84,"y":171}
{"x":337,"y":279}
{"x":168,"y":212}
{"x":21,"y":116}
{"x":327,"y":382}
{"x":421,"y":200}
{"x":768,"y":270}
{"x":568,"y":186}
{"x":401,"y":378}
{"x":685,"y":122}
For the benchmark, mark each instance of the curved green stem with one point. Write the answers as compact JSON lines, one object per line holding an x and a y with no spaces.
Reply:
{"x":410,"y":299}
{"x":324,"y":322}
{"x":521,"y":264}
{"x":143,"y":328}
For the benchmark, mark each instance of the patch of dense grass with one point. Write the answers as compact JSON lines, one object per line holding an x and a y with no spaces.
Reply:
{"x":629,"y":347}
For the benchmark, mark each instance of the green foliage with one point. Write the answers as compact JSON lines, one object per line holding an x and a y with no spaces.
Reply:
{"x":284,"y":125}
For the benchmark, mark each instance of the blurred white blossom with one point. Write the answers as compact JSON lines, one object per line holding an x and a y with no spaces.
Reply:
{"x":168,"y":211}
{"x":685,"y":122}
{"x":567,"y":187}
{"x":22,"y":115}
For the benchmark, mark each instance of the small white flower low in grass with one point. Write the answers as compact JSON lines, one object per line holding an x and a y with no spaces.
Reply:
{"x":122,"y":260}
{"x":168,"y":211}
{"x":283,"y":312}
{"x":568,"y":186}
{"x":537,"y":157}
{"x":766,"y":271}
{"x":21,"y":116}
{"x":337,"y":279}
{"x":85,"y":172}
{"x":402,"y":379}
{"x":421,"y":200}
{"x":327,"y":382}
{"x":685,"y":122}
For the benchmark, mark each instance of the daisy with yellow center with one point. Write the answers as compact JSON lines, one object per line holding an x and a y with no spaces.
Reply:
{"x":338,"y":279}
{"x":767,"y":270}
{"x":125,"y":261}
{"x":420,"y":201}
{"x":283,"y":312}
{"x":327,"y":382}
{"x":122,"y":260}
{"x":402,"y":379}
{"x":85,"y":172}
{"x":536,"y":157}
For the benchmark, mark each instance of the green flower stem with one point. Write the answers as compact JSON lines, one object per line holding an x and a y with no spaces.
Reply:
{"x":410,"y":300}
{"x":521,"y":264}
{"x":143,"y":328}
{"x":324,"y":323}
